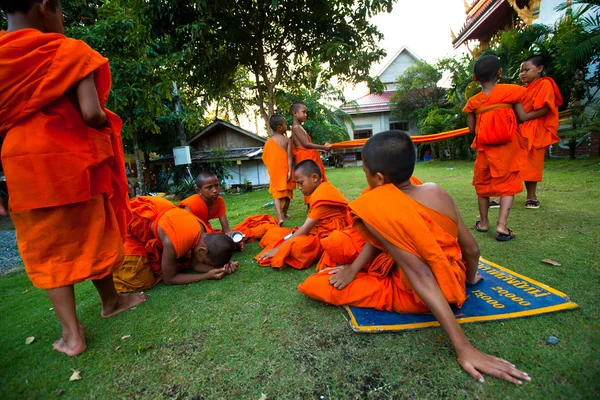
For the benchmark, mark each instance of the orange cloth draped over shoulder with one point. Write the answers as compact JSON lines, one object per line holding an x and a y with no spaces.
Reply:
{"x":254,"y":227}
{"x":327,"y":205}
{"x":67,"y":182}
{"x":199,"y":208}
{"x":276,"y":160}
{"x":539,"y":133}
{"x":412,"y":227}
{"x":143,"y":247}
{"x":496,"y":169}
{"x":300,"y":154}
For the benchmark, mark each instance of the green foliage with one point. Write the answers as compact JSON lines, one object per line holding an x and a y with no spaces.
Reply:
{"x":184,"y":188}
{"x":217,"y":165}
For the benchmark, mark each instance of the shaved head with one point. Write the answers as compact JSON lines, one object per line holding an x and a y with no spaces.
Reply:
{"x":220,"y":248}
{"x":391,"y":153}
{"x":536,"y":60}
{"x":296,"y":107}
{"x":308,"y":168}
{"x":203,"y":177}
{"x":486,"y":68}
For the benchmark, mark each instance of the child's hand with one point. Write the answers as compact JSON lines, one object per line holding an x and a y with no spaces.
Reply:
{"x":231,"y":267}
{"x":341,"y":276}
{"x":473,"y":361}
{"x":327,"y":147}
{"x":3,"y":211}
{"x":267,"y":254}
{"x":216,"y":273}
{"x":289,"y":177}
{"x":476,"y":279}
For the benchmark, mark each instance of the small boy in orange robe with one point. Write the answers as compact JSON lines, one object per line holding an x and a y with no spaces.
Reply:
{"x":328,"y":212}
{"x":63,"y":159}
{"x":302,"y":146}
{"x":539,"y":123}
{"x":163,"y":240}
{"x":207,"y":203}
{"x":277,"y":156}
{"x":492,"y":119}
{"x":425,"y":235}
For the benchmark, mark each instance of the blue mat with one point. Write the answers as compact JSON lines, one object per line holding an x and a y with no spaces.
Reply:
{"x":501,"y":294}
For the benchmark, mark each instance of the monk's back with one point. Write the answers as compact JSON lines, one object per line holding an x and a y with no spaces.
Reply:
{"x":433,"y":197}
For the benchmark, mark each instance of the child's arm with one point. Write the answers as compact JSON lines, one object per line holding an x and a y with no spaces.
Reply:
{"x":343,"y":275}
{"x":89,"y":105}
{"x":469,"y":249}
{"x":523,"y":116}
{"x":471,"y":122}
{"x":299,"y":134}
{"x":303,"y":230}
{"x":224,"y":224}
{"x":290,"y":160}
{"x":424,"y":283}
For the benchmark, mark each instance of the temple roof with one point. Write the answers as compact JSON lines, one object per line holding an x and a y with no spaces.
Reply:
{"x":369,"y":103}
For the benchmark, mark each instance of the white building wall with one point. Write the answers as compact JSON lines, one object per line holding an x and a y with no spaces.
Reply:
{"x":397,"y":68}
{"x":252,"y":170}
{"x":378,"y":122}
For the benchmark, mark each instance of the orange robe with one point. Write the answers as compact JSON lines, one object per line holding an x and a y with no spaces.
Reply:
{"x":412,"y":227}
{"x":199,"y":208}
{"x":143,"y":247}
{"x":254,"y":227}
{"x":67,"y":183}
{"x":276,"y":160}
{"x":496,"y":169}
{"x":301,"y":154}
{"x":330,"y":208}
{"x":539,"y":133}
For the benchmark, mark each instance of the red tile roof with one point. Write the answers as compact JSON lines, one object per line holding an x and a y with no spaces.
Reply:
{"x":372,"y":102}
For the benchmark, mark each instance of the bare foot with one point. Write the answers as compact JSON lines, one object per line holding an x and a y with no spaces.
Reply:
{"x":287,"y":216}
{"x":71,"y":344}
{"x":280,"y":222}
{"x":124,"y":302}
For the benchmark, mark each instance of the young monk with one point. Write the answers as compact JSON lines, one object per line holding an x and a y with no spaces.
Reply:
{"x":539,"y":123}
{"x":426,"y":237}
{"x":277,"y":156}
{"x":163,"y":241}
{"x":207,"y":203}
{"x":302,"y":146}
{"x":63,"y":160}
{"x":328,"y":212}
{"x":492,"y":119}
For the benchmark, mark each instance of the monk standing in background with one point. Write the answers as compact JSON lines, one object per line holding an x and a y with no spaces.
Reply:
{"x":426,"y":237}
{"x":302,"y":146}
{"x":539,"y":123}
{"x":328,"y":212}
{"x":493,"y":121}
{"x":277,"y":157}
{"x":64,"y":163}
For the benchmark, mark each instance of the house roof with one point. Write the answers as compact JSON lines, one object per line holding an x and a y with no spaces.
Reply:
{"x":219,"y":122}
{"x":242,"y":153}
{"x":369,"y":103}
{"x":391,"y":60}
{"x":485,"y":18}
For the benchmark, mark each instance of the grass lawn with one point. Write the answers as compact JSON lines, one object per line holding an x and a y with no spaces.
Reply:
{"x":254,"y":333}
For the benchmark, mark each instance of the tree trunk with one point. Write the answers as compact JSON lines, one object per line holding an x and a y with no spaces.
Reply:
{"x":140,"y":190}
{"x":147,"y":171}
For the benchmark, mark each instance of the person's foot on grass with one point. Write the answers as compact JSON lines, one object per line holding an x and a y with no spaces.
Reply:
{"x":532,"y":204}
{"x":71,"y":343}
{"x":124,"y":302}
{"x":281,"y":222}
{"x":287,"y":216}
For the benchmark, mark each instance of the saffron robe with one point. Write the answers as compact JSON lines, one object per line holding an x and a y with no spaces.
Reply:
{"x":200,"y":209}
{"x":254,"y":227}
{"x":327,"y":205}
{"x":276,"y":160}
{"x":149,"y":213}
{"x":539,"y":133}
{"x":496,"y":169}
{"x":412,"y":227}
{"x":301,"y":154}
{"x":67,"y":183}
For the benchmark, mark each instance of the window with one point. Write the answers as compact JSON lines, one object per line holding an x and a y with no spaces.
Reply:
{"x":401,"y":126}
{"x":363,"y":133}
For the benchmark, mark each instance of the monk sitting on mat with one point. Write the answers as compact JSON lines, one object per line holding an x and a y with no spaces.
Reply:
{"x":424,"y":234}
{"x":497,"y":166}
{"x":63,"y":159}
{"x":328,"y":212}
{"x":277,"y":157}
{"x":163,"y":241}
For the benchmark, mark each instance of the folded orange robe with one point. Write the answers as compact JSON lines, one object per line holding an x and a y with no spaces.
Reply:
{"x":330,"y":208}
{"x":276,"y":160}
{"x":301,"y":154}
{"x":539,"y":133}
{"x":412,"y":227}
{"x":254,"y":227}
{"x":496,"y":169}
{"x":436,"y":137}
{"x":199,"y":208}
{"x":57,"y":168}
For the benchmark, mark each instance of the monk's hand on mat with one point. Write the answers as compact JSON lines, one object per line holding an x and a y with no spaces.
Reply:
{"x":476,"y":279}
{"x":3,"y":211}
{"x":342,"y":275}
{"x":231,"y":267}
{"x":216,"y":273}
{"x":474,"y":362}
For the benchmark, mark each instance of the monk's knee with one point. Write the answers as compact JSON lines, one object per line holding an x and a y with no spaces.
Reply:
{"x":472,"y":251}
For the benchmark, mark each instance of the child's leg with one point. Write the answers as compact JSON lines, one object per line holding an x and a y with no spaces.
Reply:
{"x":286,"y":206}
{"x":112,"y":302}
{"x":531,"y":190}
{"x":72,"y":341}
{"x":484,"y":203}
{"x":278,"y":211}
{"x":505,"y":206}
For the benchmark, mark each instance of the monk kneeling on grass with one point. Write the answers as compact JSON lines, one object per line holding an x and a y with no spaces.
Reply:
{"x":426,"y":237}
{"x":328,"y":212}
{"x":163,"y":242}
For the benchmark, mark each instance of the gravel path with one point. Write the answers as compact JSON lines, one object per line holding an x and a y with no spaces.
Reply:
{"x":10,"y":260}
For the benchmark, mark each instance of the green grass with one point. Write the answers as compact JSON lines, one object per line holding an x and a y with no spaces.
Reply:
{"x":254,"y":333}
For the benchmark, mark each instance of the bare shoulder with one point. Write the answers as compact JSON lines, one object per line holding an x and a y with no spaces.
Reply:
{"x":281,"y":140}
{"x":433,"y":196}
